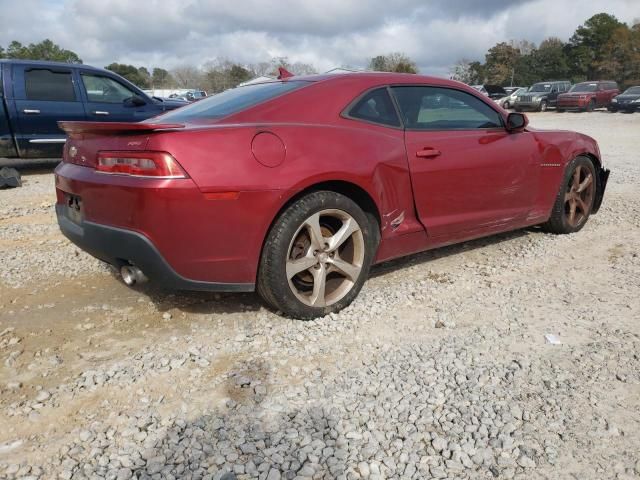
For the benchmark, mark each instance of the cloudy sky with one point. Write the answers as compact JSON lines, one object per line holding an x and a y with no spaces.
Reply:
{"x":326,"y":33}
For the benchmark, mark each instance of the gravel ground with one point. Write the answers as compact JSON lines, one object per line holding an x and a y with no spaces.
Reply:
{"x":440,"y":369}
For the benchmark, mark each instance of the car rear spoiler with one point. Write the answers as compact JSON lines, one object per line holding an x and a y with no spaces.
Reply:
{"x":113,"y":128}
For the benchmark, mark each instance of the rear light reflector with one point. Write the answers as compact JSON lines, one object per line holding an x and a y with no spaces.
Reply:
{"x":140,"y":164}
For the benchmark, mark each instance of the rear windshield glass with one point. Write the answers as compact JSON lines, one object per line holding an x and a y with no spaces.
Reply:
{"x":584,"y":87}
{"x":230,"y":101}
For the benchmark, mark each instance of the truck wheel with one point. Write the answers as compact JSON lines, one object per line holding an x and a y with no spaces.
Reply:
{"x":575,"y":198}
{"x":612,"y":109}
{"x":317,"y":256}
{"x":506,"y":105}
{"x":590,"y":106}
{"x":543,"y":106}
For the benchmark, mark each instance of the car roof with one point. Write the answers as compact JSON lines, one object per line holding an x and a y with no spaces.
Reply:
{"x":373,"y":78}
{"x":46,"y":63}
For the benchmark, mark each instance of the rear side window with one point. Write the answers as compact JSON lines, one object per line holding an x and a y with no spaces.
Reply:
{"x":377,"y":107}
{"x":231,"y":101}
{"x":47,"y":85}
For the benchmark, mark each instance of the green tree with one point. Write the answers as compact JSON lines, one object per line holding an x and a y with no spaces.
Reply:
{"x":621,"y":56}
{"x":587,"y":45}
{"x":500,"y":63}
{"x":550,"y":60}
{"x":161,"y":78}
{"x":393,"y":62}
{"x":45,"y":50}
{"x":129,"y":72}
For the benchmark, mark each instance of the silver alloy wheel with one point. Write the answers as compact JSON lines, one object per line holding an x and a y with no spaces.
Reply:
{"x":325,"y":258}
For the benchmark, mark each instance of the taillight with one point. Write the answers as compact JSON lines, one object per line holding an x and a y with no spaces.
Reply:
{"x":140,"y":164}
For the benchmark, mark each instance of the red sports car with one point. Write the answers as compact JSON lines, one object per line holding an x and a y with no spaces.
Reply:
{"x":296,"y":187}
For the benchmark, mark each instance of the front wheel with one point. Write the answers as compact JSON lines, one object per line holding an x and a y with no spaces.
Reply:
{"x":575,"y":198}
{"x":506,"y":105}
{"x":317,"y":256}
{"x":543,"y":106}
{"x":590,"y":106}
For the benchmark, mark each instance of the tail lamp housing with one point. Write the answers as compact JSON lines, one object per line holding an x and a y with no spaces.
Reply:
{"x":139,"y":164}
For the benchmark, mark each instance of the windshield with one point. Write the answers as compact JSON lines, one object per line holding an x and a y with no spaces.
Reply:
{"x":584,"y":87}
{"x":632,"y":91}
{"x":519,"y":91}
{"x":230,"y":101}
{"x":541,"y":87}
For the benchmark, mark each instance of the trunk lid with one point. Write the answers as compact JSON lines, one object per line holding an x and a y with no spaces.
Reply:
{"x":86,"y":139}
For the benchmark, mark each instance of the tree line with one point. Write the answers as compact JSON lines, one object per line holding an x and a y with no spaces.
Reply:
{"x":603,"y":48}
{"x":214,"y":76}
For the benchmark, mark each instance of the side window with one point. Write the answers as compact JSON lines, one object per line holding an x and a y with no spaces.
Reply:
{"x":376,"y":106}
{"x":105,"y":90}
{"x":47,"y":85}
{"x":436,"y":108}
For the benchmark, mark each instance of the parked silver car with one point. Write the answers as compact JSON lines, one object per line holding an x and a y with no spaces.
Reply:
{"x":509,"y":100}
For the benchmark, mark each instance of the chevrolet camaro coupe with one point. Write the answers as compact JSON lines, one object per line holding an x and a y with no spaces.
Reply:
{"x":296,"y":186}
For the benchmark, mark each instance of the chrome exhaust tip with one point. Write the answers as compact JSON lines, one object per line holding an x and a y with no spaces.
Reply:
{"x":131,"y":275}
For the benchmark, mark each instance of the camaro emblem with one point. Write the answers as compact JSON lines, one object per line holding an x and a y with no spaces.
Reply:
{"x":73,"y":151}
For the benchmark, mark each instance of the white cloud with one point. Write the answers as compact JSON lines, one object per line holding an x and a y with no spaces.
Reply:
{"x":325,"y":33}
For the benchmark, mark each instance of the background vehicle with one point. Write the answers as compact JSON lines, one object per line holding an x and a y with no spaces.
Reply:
{"x":492,"y":91}
{"x":587,"y":95}
{"x":508,"y":101}
{"x":628,"y":101}
{"x":34,"y":96}
{"x":510,"y":90}
{"x":296,"y":187}
{"x":541,"y":96}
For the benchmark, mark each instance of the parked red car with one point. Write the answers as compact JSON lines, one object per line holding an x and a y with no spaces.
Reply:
{"x":296,"y":187}
{"x":587,"y":96}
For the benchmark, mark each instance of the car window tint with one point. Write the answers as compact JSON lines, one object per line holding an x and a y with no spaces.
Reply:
{"x":376,"y":106}
{"x":231,"y":101}
{"x":105,"y":89}
{"x":42,"y":84}
{"x":435,"y":108}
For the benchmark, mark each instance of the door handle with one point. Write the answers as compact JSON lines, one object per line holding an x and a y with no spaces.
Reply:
{"x":428,"y":153}
{"x":100,"y":112}
{"x":29,"y":111}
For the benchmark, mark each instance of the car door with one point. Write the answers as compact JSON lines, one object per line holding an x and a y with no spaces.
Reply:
{"x":553,"y":94}
{"x":108,"y":99}
{"x":43,"y":96}
{"x":469,"y":175}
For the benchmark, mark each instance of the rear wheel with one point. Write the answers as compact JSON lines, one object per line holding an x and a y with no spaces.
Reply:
{"x":506,"y":105}
{"x":317,"y":256}
{"x":574,"y":201}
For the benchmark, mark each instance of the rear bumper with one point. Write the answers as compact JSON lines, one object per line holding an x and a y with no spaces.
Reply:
{"x":119,"y":246}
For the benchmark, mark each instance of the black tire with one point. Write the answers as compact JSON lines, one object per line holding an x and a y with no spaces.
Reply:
{"x":559,"y":110}
{"x":506,"y":105}
{"x":273,"y":284}
{"x":543,"y":106}
{"x":559,"y":220}
{"x":612,"y":109}
{"x":590,"y":106}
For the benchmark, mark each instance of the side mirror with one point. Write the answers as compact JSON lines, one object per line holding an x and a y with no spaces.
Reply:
{"x":516,"y":122}
{"x":135,"y":101}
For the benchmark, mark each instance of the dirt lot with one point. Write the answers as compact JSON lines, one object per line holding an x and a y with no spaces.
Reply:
{"x":439,"y":370}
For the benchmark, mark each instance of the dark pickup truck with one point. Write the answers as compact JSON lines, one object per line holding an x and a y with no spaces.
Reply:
{"x":35,"y":95}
